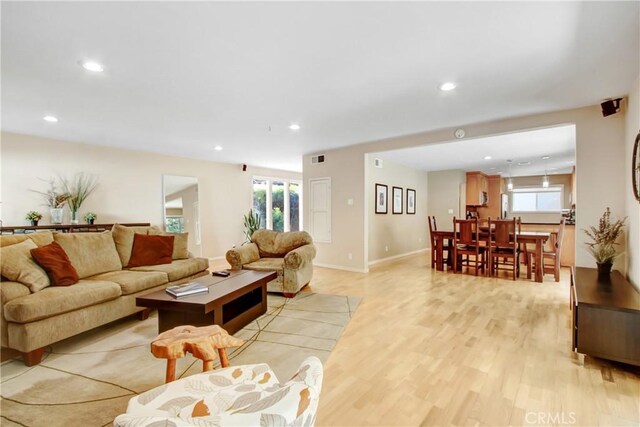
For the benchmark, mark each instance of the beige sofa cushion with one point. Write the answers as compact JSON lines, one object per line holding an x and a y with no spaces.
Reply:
{"x":133,"y":281}
{"x":270,"y":264}
{"x":40,"y":238}
{"x":266,"y":264}
{"x":179,"y":268}
{"x":59,"y":299}
{"x":12,"y":290}
{"x":274,"y":244}
{"x":19,"y":266}
{"x":90,"y":253}
{"x":123,"y":239}
{"x":180,"y":243}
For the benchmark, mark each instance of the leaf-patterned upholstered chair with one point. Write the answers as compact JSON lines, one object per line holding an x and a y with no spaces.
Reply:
{"x":248,"y":395}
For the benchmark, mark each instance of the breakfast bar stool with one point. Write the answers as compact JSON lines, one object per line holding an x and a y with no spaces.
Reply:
{"x":203,"y":342}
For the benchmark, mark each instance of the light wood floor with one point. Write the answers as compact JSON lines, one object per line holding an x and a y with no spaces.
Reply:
{"x":434,"y":348}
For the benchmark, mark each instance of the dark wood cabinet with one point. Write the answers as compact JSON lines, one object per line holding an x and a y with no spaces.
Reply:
{"x":605,"y":316}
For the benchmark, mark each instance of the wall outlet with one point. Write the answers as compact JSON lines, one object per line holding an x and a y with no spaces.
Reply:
{"x":350,"y":202}
{"x":419,"y":239}
{"x":350,"y":256}
{"x":450,"y":211}
{"x":386,"y":248}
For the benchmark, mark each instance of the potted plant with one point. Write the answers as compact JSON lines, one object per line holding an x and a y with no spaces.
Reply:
{"x":603,"y":241}
{"x":251,"y":224}
{"x":34,"y":217}
{"x":79,"y":188}
{"x":90,"y":217}
{"x":55,"y":199}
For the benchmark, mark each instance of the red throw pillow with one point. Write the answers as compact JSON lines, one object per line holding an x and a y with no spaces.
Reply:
{"x":54,"y":260}
{"x":151,"y":250}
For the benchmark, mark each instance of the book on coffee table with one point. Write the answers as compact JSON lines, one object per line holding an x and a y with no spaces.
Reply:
{"x":191,"y":288}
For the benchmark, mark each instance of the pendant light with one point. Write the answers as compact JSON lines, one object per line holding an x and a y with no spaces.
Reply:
{"x":545,"y":178}
{"x":510,"y":182}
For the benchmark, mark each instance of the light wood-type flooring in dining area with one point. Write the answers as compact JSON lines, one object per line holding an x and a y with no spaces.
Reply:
{"x":435,"y":348}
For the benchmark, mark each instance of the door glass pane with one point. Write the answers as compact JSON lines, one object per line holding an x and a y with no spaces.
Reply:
{"x":277,"y":194}
{"x":260,"y":200}
{"x":294,"y":206}
{"x":174,"y":224}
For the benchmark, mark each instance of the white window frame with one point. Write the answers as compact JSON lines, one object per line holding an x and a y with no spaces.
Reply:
{"x":537,"y":189}
{"x":287,"y":208}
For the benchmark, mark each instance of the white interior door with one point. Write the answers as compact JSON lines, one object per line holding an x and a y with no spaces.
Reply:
{"x":320,"y":209}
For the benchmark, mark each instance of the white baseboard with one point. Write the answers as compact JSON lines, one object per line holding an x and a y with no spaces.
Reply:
{"x":339,"y":267}
{"x":391,"y":258}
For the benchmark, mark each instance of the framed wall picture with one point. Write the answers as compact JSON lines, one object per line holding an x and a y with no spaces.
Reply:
{"x":381,"y":198}
{"x":411,"y":201}
{"x":396,"y":195}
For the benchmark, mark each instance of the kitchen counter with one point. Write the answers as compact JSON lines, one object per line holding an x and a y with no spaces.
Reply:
{"x":568,"y":254}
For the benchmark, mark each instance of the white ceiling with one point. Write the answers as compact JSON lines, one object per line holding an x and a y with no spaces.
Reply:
{"x":182,"y":77}
{"x":524,"y":147}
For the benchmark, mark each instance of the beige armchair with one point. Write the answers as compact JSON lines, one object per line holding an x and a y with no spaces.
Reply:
{"x":290,"y":254}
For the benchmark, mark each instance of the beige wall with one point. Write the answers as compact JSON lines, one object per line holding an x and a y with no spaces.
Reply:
{"x":130,"y":185}
{"x":536,"y":181}
{"x":632,"y":205}
{"x":393,"y":235}
{"x":444,"y":194}
{"x":189,"y":196}
{"x":600,"y":179}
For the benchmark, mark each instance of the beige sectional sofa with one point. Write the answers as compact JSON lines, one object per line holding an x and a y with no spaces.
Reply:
{"x":106,"y":292}
{"x":290,"y":254}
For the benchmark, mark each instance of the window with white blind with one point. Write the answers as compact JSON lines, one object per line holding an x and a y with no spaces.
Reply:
{"x":536,"y":199}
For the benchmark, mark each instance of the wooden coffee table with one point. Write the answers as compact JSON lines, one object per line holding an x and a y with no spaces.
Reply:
{"x":232,"y":302}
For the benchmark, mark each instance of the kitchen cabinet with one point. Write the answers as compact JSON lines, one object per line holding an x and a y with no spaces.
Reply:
{"x":493,"y":208}
{"x":477,"y":189}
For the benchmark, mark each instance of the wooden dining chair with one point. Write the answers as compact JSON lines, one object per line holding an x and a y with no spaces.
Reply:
{"x":503,"y":246}
{"x":553,"y":255}
{"x":434,"y":227}
{"x":467,"y":244}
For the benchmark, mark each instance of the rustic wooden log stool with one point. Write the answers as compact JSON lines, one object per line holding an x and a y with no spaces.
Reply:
{"x":202,"y":342}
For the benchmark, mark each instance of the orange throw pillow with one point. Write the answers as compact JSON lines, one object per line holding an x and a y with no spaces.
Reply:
{"x":54,"y":260}
{"x":151,"y":250}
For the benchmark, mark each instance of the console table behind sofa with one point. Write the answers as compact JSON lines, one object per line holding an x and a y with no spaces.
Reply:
{"x":66,"y":228}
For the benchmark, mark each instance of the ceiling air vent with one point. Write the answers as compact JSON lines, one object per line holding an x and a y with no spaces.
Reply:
{"x":378,"y":163}
{"x":317,"y":159}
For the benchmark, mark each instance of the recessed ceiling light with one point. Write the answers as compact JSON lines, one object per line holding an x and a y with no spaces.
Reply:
{"x":294,"y":126}
{"x":492,"y":169}
{"x":50,"y":119}
{"x":524,"y":163}
{"x":553,"y":169}
{"x":218,"y":148}
{"x":546,"y":157}
{"x":92,"y":66}
{"x":487,"y":157}
{"x":445,"y":87}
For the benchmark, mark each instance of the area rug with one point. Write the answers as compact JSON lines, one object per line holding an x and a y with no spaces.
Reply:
{"x":88,"y":379}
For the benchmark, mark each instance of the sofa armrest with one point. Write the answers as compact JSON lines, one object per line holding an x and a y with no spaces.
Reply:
{"x":12,"y":290}
{"x":243,"y":255}
{"x":298,"y":257}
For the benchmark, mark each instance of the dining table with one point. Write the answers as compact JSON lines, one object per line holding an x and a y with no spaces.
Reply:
{"x":527,"y":237}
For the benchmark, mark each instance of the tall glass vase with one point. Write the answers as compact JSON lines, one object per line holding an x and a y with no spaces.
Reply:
{"x":56,"y":215}
{"x":74,"y":217}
